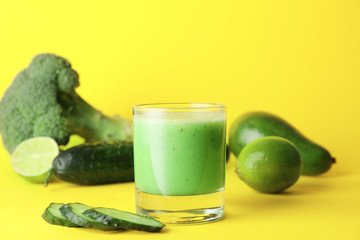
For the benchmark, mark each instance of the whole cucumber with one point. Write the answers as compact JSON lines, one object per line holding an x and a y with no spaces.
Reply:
{"x":255,"y":125}
{"x":95,"y":164}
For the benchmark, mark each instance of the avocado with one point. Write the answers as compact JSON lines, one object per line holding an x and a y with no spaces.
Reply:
{"x":255,"y":125}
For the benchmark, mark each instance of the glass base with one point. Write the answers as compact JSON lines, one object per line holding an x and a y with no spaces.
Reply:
{"x":181,"y":209}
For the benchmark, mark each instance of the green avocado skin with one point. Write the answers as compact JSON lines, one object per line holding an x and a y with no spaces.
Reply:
{"x":255,"y":125}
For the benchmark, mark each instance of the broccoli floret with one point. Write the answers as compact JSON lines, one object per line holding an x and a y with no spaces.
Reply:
{"x":42,"y":101}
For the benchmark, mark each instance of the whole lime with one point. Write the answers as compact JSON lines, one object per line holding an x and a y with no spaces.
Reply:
{"x":269,"y":164}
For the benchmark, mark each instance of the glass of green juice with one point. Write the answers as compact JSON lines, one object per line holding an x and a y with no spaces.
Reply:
{"x":179,"y":158}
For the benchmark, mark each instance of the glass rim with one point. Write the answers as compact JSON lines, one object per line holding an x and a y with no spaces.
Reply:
{"x":180,"y":106}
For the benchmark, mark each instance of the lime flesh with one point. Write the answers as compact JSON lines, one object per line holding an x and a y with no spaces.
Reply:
{"x":33,"y":158}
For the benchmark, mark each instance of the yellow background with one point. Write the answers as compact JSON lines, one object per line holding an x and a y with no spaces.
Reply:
{"x":297,"y":59}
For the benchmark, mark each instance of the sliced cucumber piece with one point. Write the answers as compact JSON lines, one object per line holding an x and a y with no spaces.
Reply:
{"x":117,"y":218}
{"x":53,"y":215}
{"x":73,"y":212}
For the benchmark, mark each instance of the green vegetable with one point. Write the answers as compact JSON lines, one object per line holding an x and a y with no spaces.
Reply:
{"x":255,"y":125}
{"x":53,"y":215}
{"x":42,"y":101}
{"x":73,"y":213}
{"x":126,"y":220}
{"x":269,"y":164}
{"x":106,"y":219}
{"x":96,"y":164}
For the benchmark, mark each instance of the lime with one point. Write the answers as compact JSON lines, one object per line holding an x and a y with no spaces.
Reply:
{"x":33,"y":158}
{"x":269,"y":164}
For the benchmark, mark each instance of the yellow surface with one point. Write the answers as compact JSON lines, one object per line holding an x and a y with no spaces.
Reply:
{"x":297,"y":59}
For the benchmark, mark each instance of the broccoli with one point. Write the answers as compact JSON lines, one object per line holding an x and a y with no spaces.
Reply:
{"x":42,"y":101}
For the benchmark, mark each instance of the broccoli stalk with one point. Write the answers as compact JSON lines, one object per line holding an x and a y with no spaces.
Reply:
{"x":42,"y":101}
{"x":91,"y":124}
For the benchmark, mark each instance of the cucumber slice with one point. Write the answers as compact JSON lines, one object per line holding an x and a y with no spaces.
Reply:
{"x":117,"y":218}
{"x":73,"y":212}
{"x":53,"y":215}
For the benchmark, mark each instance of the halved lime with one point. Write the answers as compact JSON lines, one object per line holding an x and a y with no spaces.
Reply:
{"x":33,"y":158}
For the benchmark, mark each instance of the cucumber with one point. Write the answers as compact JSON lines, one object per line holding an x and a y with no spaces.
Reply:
{"x":73,"y":212}
{"x":95,"y":164}
{"x":126,"y":220}
{"x":53,"y":215}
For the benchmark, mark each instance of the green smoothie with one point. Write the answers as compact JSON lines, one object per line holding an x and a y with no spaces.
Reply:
{"x":177,"y":155}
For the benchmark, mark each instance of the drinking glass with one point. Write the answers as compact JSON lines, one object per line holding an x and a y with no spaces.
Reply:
{"x":179,"y":154}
